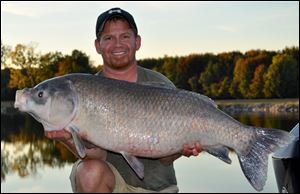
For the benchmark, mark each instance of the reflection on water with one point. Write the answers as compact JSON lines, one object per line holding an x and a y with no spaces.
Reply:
{"x":26,"y":154}
{"x":284,"y":121}
{"x":25,"y":150}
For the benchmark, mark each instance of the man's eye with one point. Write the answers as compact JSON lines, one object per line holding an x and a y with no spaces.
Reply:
{"x":126,"y":36}
{"x":107,"y":38}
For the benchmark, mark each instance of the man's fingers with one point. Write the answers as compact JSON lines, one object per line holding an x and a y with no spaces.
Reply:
{"x":60,"y":134}
{"x":198,"y":147}
{"x":189,"y":150}
{"x":195,"y":152}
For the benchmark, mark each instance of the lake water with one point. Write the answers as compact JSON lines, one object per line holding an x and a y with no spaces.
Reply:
{"x":32,"y":163}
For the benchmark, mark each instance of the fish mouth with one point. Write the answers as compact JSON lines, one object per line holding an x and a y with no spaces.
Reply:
{"x":21,"y":99}
{"x":21,"y":103}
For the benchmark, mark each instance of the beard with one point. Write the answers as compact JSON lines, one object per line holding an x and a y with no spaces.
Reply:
{"x":120,"y":63}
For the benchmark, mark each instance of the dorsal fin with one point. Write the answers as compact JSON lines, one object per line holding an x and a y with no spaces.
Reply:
{"x":209,"y":100}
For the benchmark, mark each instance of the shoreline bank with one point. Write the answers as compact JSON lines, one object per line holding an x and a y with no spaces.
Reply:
{"x":263,"y":105}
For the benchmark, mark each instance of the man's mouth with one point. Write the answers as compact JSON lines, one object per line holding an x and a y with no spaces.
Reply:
{"x":119,"y":53}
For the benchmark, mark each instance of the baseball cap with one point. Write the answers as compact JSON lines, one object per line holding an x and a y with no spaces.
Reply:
{"x":102,"y":18}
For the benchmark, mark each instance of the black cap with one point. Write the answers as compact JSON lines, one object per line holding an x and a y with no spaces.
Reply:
{"x":102,"y":18}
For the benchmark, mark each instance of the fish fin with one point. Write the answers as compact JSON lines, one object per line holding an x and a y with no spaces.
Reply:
{"x":220,"y":152}
{"x":135,"y":164}
{"x":254,"y":159}
{"x":79,"y":144}
{"x":208,"y":100}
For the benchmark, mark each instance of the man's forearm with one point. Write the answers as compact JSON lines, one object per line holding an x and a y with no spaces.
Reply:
{"x":169,"y":159}
{"x":92,"y":152}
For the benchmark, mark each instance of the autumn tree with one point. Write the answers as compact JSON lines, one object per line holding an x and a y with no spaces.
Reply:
{"x":244,"y":71}
{"x":216,"y":78}
{"x":257,"y":83}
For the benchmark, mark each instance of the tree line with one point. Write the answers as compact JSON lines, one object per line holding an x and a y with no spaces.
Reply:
{"x":234,"y":75}
{"x":229,"y":75}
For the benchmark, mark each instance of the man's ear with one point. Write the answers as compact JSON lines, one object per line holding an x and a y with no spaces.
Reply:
{"x":138,"y":40}
{"x":97,"y":46}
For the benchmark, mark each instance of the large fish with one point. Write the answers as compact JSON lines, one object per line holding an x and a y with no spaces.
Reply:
{"x":147,"y":120}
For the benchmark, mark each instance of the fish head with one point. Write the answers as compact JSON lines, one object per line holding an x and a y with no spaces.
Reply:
{"x":52,"y":102}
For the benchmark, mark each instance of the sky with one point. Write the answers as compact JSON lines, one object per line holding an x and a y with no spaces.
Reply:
{"x":167,"y":28}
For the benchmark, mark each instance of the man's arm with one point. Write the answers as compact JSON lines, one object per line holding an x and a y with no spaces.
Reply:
{"x":92,"y":152}
{"x":186,"y":151}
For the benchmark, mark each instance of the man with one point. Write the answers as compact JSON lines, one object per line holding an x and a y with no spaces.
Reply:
{"x":104,"y":171}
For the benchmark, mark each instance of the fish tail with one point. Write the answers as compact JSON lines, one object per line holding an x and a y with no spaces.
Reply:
{"x":254,"y":160}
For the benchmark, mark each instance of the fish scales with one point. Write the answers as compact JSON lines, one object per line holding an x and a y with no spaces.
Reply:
{"x":135,"y":113}
{"x":127,"y":113}
{"x":148,"y":121}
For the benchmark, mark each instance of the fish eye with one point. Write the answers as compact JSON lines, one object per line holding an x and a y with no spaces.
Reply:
{"x":40,"y":94}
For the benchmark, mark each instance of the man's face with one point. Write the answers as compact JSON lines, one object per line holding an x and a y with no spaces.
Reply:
{"x":118,"y":44}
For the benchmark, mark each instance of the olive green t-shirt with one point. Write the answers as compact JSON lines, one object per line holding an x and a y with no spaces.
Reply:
{"x":156,"y":175}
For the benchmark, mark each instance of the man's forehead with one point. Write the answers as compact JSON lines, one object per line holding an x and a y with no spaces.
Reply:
{"x":119,"y":26}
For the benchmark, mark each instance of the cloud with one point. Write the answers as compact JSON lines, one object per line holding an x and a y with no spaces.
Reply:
{"x":19,"y":8}
{"x":226,"y":28}
{"x":34,"y":9}
{"x":168,"y":6}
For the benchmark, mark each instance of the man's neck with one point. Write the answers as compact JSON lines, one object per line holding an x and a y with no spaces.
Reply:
{"x":127,"y":74}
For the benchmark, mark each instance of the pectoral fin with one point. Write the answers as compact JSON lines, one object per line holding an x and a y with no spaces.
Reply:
{"x":135,"y":164}
{"x":220,"y":152}
{"x":79,"y":144}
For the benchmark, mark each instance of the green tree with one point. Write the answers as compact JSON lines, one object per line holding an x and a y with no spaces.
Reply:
{"x":280,"y":79}
{"x":194,"y":83}
{"x":78,"y":62}
{"x":48,"y":66}
{"x":169,"y":68}
{"x":292,"y":51}
{"x":5,"y":53}
{"x":24,"y":56}
{"x":152,"y":63}
{"x":214,"y":81}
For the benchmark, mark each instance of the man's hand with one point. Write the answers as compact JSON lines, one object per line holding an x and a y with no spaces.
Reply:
{"x":186,"y":151}
{"x":191,"y":150}
{"x":60,"y":135}
{"x":92,"y":152}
